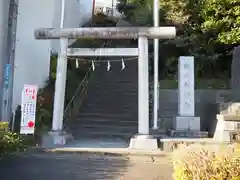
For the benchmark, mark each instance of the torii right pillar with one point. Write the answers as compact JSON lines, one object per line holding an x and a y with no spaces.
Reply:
{"x":143,"y":140}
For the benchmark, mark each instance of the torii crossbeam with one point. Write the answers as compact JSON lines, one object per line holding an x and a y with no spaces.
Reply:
{"x":106,"y":33}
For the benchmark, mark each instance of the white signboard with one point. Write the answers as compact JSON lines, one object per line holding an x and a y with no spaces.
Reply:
{"x":28,"y":109}
{"x":186,"y":86}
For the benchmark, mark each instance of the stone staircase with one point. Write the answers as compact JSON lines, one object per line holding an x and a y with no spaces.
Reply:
{"x":110,"y":108}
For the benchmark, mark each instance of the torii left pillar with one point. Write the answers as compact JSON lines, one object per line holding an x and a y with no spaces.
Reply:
{"x":142,"y":140}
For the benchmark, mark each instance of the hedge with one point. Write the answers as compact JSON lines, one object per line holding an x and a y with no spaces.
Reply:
{"x":9,"y":141}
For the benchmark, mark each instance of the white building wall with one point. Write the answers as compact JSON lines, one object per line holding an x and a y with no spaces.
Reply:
{"x":86,"y":8}
{"x":108,"y":4}
{"x":77,"y":12}
{"x":32,"y":57}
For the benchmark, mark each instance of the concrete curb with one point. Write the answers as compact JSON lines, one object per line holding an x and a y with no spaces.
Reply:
{"x":111,"y":151}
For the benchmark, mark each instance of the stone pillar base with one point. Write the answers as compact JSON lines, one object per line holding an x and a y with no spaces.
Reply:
{"x":55,"y":138}
{"x":187,"y":126}
{"x":144,"y":142}
{"x":191,"y":123}
{"x":188,"y":134}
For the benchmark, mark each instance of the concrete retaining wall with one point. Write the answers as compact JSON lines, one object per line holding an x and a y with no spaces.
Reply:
{"x":206,"y":107}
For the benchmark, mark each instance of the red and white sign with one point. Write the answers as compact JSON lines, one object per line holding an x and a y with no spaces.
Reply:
{"x":28,"y":109}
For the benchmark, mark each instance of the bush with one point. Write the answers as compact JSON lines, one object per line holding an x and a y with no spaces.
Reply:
{"x":9,"y":142}
{"x":201,"y":162}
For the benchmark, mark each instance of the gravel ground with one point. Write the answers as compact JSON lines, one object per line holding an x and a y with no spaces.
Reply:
{"x":73,"y":166}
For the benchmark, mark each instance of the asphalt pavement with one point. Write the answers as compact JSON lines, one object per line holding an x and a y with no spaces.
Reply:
{"x":81,"y":166}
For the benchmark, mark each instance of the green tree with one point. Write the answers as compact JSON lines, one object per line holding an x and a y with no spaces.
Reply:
{"x":207,"y":29}
{"x":223,"y":18}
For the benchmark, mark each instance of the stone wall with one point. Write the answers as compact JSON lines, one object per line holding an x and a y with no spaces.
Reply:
{"x":206,"y":107}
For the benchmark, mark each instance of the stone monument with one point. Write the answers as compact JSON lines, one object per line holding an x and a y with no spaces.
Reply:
{"x":186,"y":123}
{"x":228,"y":119}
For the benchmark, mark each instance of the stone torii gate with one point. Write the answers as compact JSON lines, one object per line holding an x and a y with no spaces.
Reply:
{"x":142,"y":140}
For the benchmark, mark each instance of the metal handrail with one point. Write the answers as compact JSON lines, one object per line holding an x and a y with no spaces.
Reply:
{"x":78,"y":93}
{"x":78,"y":96}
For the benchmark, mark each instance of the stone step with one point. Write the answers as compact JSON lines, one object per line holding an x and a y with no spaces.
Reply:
{"x":107,"y":110}
{"x":100,"y":121}
{"x":116,"y":106}
{"x":106,"y":131}
{"x":98,"y":94}
{"x":127,"y":98}
{"x":116,"y":134}
{"x":107,"y":126}
{"x":97,"y":135}
{"x":101,"y":97}
{"x":118,"y":100}
{"x":102,"y":106}
{"x":117,"y":80}
{"x":121,"y":116}
{"x":115,"y":85}
{"x":130,"y":119}
{"x":112,"y":99}
{"x":114,"y":102}
{"x":113,"y":89}
{"x":108,"y":114}
{"x":108,"y":117}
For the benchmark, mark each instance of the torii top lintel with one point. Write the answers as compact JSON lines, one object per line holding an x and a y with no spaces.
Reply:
{"x":106,"y":33}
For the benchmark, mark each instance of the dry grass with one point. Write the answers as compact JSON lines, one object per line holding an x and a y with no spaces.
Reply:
{"x":199,"y":162}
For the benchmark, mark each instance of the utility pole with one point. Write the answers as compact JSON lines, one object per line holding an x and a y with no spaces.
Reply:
{"x":112,"y":7}
{"x":156,"y":59}
{"x":59,"y":95}
{"x":9,"y":62}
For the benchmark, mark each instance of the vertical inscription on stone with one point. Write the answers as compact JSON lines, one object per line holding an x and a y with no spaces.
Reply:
{"x":186,"y":86}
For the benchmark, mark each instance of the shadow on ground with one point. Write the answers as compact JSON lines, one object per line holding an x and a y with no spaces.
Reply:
{"x":61,"y":166}
{"x":73,"y":166}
